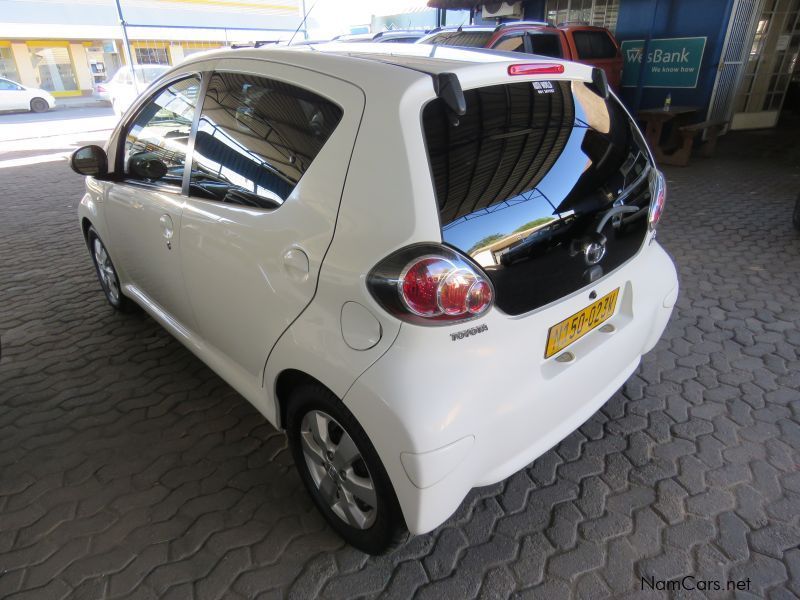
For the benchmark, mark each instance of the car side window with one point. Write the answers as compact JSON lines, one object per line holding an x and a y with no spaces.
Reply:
{"x":546,"y":44}
{"x":8,"y":85}
{"x":594,"y":45}
{"x":256,"y":138}
{"x":511,"y":43}
{"x":156,"y":141}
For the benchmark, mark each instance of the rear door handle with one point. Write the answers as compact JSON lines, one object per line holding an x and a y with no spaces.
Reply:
{"x":166,"y":229}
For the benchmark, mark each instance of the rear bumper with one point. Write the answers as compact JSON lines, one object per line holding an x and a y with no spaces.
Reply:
{"x":446,"y":416}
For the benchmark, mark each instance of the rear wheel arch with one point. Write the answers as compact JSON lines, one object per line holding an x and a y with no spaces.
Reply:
{"x":286,"y":381}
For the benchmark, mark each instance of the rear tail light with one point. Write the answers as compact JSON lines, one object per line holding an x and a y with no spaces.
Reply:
{"x":100,"y":87}
{"x":658,"y":197}
{"x":536,"y":69}
{"x":430,"y":284}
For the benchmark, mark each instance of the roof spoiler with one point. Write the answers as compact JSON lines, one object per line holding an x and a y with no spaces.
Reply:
{"x":448,"y":88}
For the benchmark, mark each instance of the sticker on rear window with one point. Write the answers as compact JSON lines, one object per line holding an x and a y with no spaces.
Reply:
{"x":543,"y":87}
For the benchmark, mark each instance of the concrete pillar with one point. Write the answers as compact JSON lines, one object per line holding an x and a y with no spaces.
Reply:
{"x":175,"y":53}
{"x":27,"y":74}
{"x":81,"y":64}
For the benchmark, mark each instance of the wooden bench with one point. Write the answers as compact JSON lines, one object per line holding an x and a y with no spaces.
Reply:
{"x":680,"y":157}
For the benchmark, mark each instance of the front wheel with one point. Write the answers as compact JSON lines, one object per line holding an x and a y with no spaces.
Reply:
{"x":107,"y":274}
{"x":341,"y":470}
{"x":39,"y":105}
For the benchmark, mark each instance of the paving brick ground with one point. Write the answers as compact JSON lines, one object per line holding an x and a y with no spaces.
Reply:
{"x":128,"y":469}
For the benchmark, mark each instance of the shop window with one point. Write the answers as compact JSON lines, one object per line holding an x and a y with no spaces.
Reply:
{"x":152,"y":56}
{"x":54,"y":69}
{"x":8,"y":68}
{"x":601,"y":13}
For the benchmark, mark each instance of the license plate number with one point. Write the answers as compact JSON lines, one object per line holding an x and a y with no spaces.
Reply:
{"x":582,"y":322}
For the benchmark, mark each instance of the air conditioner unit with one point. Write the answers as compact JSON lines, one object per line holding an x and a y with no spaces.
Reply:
{"x":506,"y":10}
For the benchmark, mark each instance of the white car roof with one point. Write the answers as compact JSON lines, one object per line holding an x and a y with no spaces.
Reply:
{"x":343,"y":60}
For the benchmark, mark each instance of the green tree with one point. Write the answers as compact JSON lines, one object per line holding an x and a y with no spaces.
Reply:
{"x":534,"y":223}
{"x":485,"y":242}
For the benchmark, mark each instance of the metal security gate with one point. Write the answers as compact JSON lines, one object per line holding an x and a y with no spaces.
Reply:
{"x":769,"y":65}
{"x":735,"y":50}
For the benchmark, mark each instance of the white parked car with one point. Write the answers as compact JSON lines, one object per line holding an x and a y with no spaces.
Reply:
{"x":120,"y":91}
{"x":15,"y":96}
{"x":427,"y":265}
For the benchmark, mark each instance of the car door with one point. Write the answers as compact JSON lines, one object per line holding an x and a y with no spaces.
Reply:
{"x":12,"y":96}
{"x":144,"y":206}
{"x":269,"y":162}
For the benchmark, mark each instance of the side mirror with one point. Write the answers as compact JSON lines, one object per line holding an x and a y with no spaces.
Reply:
{"x":89,"y":160}
{"x":147,"y":165}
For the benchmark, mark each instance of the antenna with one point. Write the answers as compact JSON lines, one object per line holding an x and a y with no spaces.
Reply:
{"x":303,"y":22}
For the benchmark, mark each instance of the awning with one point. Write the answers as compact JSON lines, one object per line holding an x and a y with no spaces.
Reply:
{"x":454,"y":4}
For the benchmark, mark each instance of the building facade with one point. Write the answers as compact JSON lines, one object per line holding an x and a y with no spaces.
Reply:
{"x":67,"y":47}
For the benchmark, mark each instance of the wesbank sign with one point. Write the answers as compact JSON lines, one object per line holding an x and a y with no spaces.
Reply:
{"x":671,"y":63}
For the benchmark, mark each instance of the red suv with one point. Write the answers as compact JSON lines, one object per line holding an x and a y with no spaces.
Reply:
{"x":586,"y":44}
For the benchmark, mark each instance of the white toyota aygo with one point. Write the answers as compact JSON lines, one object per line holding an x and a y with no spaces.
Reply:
{"x":427,"y":265}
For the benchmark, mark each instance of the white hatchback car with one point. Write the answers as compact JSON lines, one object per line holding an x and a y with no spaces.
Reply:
{"x":15,"y":96}
{"x":428,"y":265}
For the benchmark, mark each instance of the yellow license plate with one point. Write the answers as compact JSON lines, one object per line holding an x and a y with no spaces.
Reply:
{"x":582,"y":322}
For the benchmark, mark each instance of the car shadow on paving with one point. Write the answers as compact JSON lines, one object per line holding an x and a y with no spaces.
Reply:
{"x":127,"y":468}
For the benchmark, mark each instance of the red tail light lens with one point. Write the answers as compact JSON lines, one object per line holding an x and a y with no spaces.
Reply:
{"x":453,"y":292}
{"x":536,"y":69}
{"x":479,"y":297}
{"x":100,"y":87}
{"x":420,"y":285}
{"x":658,"y":195}
{"x":430,"y":284}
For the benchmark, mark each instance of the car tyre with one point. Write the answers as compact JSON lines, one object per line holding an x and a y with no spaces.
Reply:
{"x":796,"y":215}
{"x":107,"y":274}
{"x":342,"y":471}
{"x":39,"y":105}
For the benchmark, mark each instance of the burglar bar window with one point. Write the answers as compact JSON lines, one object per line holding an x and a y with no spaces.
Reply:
{"x":601,"y":13}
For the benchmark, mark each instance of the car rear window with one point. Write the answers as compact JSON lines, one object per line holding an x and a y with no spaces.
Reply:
{"x":546,"y":44}
{"x":506,"y":142}
{"x":594,"y":45}
{"x":469,"y":39}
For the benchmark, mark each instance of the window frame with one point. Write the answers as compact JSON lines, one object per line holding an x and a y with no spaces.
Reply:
{"x":119,"y":174}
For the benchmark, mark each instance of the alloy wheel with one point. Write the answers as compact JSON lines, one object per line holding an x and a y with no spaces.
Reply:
{"x":105,"y":269}
{"x":338,"y":469}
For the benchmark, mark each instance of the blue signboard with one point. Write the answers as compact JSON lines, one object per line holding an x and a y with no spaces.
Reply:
{"x":671,"y":63}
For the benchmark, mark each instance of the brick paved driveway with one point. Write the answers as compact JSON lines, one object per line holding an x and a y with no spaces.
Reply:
{"x":128,"y":469}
